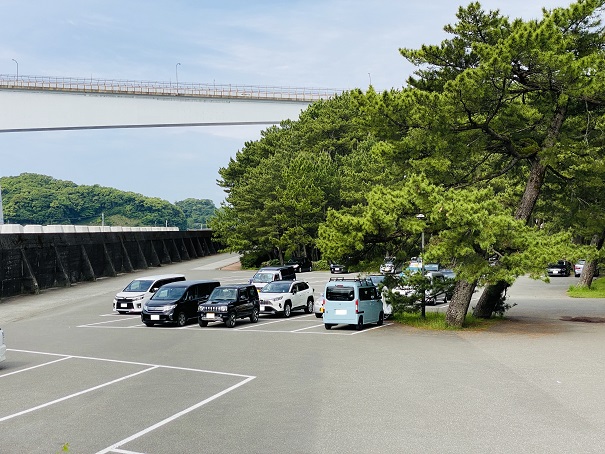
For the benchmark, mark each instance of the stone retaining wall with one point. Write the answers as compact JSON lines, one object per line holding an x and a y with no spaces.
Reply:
{"x":30,"y":262}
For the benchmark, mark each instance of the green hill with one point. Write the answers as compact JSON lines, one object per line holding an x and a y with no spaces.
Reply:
{"x":39,"y":199}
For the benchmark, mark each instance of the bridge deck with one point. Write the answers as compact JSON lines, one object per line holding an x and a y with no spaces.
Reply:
{"x":199,"y":90}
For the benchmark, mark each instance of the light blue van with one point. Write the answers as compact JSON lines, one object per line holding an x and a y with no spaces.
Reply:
{"x":352,"y":302}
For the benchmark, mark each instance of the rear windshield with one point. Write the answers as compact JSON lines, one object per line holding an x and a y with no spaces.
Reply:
{"x":340,"y":293}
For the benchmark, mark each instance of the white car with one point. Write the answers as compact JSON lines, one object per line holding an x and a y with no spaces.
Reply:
{"x":319,"y":306}
{"x":282,"y":297}
{"x":2,"y":346}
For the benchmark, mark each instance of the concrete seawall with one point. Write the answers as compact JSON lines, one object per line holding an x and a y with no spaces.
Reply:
{"x":30,"y":262}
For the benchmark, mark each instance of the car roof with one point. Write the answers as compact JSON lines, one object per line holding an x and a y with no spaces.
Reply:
{"x":235,"y":286}
{"x":275,"y":268}
{"x":189,"y":283}
{"x":157,"y":277}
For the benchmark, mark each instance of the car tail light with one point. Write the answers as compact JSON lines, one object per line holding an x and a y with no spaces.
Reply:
{"x":357,"y":306}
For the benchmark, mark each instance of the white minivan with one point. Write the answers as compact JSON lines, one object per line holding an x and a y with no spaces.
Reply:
{"x":352,"y":302}
{"x":138,"y":292}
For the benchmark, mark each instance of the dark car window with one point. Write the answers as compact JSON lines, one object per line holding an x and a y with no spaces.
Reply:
{"x":276,"y":287}
{"x":340,"y":293}
{"x":252,"y":292}
{"x":223,"y":294}
{"x":138,"y":286}
{"x":168,"y":293}
{"x":303,"y":286}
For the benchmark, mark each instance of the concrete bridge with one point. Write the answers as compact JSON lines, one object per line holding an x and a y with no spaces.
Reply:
{"x":32,"y":103}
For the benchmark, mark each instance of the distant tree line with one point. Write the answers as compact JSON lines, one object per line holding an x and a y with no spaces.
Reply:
{"x":39,"y":199}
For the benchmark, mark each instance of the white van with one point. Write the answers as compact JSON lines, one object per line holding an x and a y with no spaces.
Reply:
{"x":353,"y":302}
{"x":138,"y":292}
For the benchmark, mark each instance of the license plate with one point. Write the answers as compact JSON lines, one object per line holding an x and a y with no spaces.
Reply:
{"x":210,"y":315}
{"x":123,"y":305}
{"x":155,"y":317}
{"x":340,"y":312}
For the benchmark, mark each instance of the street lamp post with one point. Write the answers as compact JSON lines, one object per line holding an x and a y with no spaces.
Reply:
{"x":421,"y":217}
{"x":177,"y":77}
{"x":17,"y":63}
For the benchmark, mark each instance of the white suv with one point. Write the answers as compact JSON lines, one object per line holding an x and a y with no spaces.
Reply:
{"x":282,"y":297}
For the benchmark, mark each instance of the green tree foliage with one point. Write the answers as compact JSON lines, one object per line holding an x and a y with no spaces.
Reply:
{"x":38,"y":199}
{"x":197,"y":211}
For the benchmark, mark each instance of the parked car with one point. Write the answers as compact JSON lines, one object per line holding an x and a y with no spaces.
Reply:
{"x":228,"y":303}
{"x":319,"y":306}
{"x":140,"y":290}
{"x":272,"y":273}
{"x":442,"y":288}
{"x":579,"y":266}
{"x":282,"y":297}
{"x":377,"y":280}
{"x":177,"y":302}
{"x":352,"y":301}
{"x":389,"y":266}
{"x":336,"y":268}
{"x":2,"y":346}
{"x":300,"y":264}
{"x":561,"y":268}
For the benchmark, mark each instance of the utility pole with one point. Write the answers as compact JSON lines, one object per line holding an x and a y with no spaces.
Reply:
{"x":1,"y":210}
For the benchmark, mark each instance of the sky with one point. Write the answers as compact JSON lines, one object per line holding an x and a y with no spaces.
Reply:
{"x":333,"y":44}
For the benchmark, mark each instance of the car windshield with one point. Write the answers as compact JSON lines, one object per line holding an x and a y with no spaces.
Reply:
{"x":340,"y":293}
{"x":138,"y":286}
{"x":556,"y":265}
{"x":223,"y":294}
{"x":168,"y":293}
{"x":276,"y":287}
{"x":263,"y":277}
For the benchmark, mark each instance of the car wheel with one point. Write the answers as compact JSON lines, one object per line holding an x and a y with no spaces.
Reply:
{"x":380,"y":321}
{"x":203,"y":323}
{"x":181,"y":319}
{"x":318,"y":315}
{"x":287,"y":310}
{"x":328,"y":325}
{"x":359,"y":325}
{"x":230,"y":322}
{"x":444,"y":299}
{"x":309,"y":307}
{"x":254,"y":316}
{"x":148,"y":323}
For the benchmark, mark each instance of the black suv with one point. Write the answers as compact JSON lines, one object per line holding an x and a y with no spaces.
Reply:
{"x":228,"y":303}
{"x":177,"y":302}
{"x":300,"y":264}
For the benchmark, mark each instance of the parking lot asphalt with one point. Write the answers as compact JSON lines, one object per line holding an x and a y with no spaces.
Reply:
{"x":77,"y":373}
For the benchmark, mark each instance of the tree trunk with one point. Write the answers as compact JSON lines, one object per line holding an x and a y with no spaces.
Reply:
{"x":461,"y":299}
{"x":492,"y":293}
{"x":489,"y":299}
{"x":590,"y":267}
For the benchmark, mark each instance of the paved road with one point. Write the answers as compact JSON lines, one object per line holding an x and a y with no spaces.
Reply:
{"x":78,"y":374}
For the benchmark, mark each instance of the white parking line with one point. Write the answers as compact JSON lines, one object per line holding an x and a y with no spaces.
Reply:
{"x":79,"y":393}
{"x":175,"y":416}
{"x":306,"y":327}
{"x":35,"y":367}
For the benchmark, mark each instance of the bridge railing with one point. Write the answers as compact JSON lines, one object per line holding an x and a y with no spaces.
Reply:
{"x":90,"y":85}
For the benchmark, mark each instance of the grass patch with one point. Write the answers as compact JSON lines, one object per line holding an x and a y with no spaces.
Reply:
{"x":596,"y":290}
{"x":436,"y":321}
